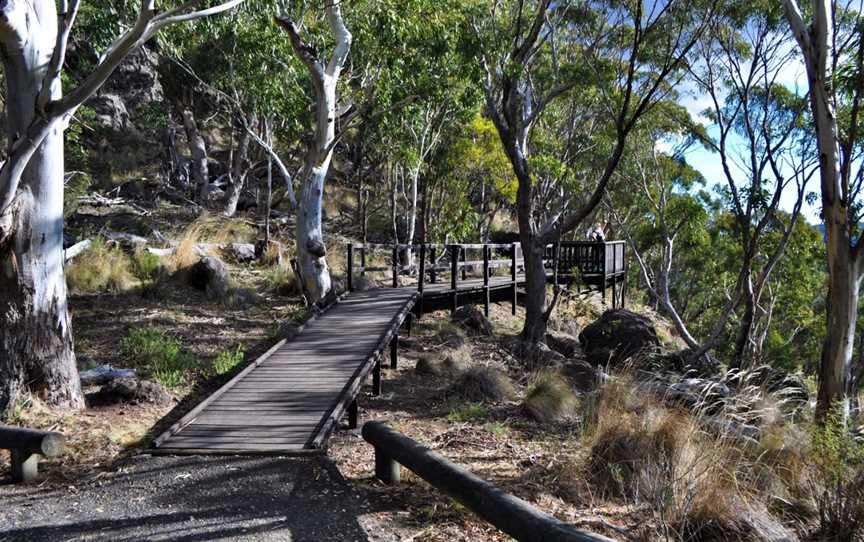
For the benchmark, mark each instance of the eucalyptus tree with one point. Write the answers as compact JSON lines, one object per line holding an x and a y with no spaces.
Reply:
{"x":237,"y":64}
{"x":36,"y":346}
{"x":763,"y":148}
{"x":830,"y":38}
{"x":324,"y":75}
{"x":539,"y":52}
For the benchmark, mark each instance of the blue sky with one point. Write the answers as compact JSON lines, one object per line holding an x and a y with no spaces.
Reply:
{"x":708,"y":163}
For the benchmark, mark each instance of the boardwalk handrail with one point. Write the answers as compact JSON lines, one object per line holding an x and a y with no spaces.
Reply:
{"x":26,"y":445}
{"x":511,"y":514}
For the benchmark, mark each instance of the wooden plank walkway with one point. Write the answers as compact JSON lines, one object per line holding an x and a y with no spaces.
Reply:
{"x":290,"y":399}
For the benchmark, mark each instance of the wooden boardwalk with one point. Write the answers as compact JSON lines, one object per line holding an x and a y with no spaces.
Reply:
{"x":289,"y":400}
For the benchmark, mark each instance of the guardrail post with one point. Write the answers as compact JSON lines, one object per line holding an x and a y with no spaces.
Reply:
{"x":363,"y":261}
{"x":350,"y":267}
{"x":486,"y":251}
{"x":463,"y":253}
{"x":394,"y":351}
{"x":353,"y":411}
{"x":454,"y":275}
{"x":513,"y":268}
{"x":25,"y":466}
{"x":386,"y":468}
{"x":395,"y":265}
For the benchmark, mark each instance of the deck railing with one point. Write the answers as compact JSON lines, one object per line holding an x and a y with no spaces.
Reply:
{"x":594,"y":261}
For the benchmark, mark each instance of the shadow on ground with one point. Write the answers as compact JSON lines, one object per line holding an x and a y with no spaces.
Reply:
{"x":191,"y":499}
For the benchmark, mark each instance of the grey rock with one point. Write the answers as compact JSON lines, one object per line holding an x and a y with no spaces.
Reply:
{"x":104,"y":374}
{"x":210,"y":275}
{"x":129,"y":390}
{"x":472,"y":320}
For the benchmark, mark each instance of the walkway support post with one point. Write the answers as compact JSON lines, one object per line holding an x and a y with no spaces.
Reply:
{"x":363,"y":260}
{"x":433,"y":252}
{"x":513,"y":264}
{"x":376,"y":378}
{"x":350,"y":267}
{"x":353,"y":411}
{"x":395,"y":266}
{"x":421,"y":280}
{"x":454,"y":275}
{"x":512,"y":515}
{"x":394,"y":351}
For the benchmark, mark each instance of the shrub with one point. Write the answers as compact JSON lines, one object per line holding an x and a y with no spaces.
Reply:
{"x":282,"y":280}
{"x":226,"y":361}
{"x":160,"y":355}
{"x":146,"y":266}
{"x":837,"y":481}
{"x":549,"y":398}
{"x":483,"y":384}
{"x":104,"y":267}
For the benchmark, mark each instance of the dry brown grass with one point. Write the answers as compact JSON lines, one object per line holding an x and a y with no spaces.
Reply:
{"x":481,"y":383}
{"x":209,"y":229}
{"x":549,"y":398}
{"x":104,"y":267}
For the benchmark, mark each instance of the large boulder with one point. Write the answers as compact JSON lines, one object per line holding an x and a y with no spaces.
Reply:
{"x":564,"y":344}
{"x":210,"y":275}
{"x":472,"y":320}
{"x":617,"y":336}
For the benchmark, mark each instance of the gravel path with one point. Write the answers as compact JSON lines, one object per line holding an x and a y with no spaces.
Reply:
{"x":194,"y":498}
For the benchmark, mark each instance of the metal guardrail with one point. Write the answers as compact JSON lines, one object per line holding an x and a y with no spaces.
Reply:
{"x":511,"y":514}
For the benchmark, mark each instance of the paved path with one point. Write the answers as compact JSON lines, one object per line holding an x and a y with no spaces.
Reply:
{"x":194,"y":499}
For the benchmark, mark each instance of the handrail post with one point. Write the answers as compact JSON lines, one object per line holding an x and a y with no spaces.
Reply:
{"x":434,"y":276}
{"x":350,"y":267}
{"x":363,"y":261}
{"x":486,"y":280}
{"x":454,"y":274}
{"x":353,"y":411}
{"x":376,"y":378}
{"x":513,"y":269}
{"x":422,"y":281}
{"x":464,"y":255}
{"x":395,"y":265}
{"x":394,"y":351}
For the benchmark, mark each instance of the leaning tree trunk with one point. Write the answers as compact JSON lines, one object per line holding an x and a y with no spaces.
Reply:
{"x":36,"y":350}
{"x":198,"y":149}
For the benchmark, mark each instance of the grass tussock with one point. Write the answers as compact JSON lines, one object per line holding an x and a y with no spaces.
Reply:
{"x":282,"y":280}
{"x":481,"y":383}
{"x":450,"y":363}
{"x":103,"y":268}
{"x":209,"y":230}
{"x":227,"y":360}
{"x":549,"y":398}
{"x":161,"y":356}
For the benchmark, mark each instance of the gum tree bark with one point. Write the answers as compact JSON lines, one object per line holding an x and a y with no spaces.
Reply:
{"x":311,"y":250}
{"x":239,"y":169}
{"x":36,"y":346}
{"x":198,"y":150}
{"x":820,"y":47}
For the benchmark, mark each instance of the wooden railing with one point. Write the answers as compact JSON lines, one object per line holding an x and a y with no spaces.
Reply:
{"x":594,"y":261}
{"x":512,"y":515}
{"x":26,"y":446}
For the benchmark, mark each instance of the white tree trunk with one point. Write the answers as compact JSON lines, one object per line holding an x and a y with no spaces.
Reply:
{"x":311,"y":250}
{"x":36,"y":350}
{"x":198,"y":150}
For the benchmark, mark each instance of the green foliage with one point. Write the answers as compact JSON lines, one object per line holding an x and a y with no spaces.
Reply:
{"x":147,"y":266}
{"x":226,"y":361}
{"x":160,"y":355}
{"x":838,"y":483}
{"x":468,"y":413}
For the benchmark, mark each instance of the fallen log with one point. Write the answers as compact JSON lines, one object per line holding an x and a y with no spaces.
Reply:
{"x":76,"y":249}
